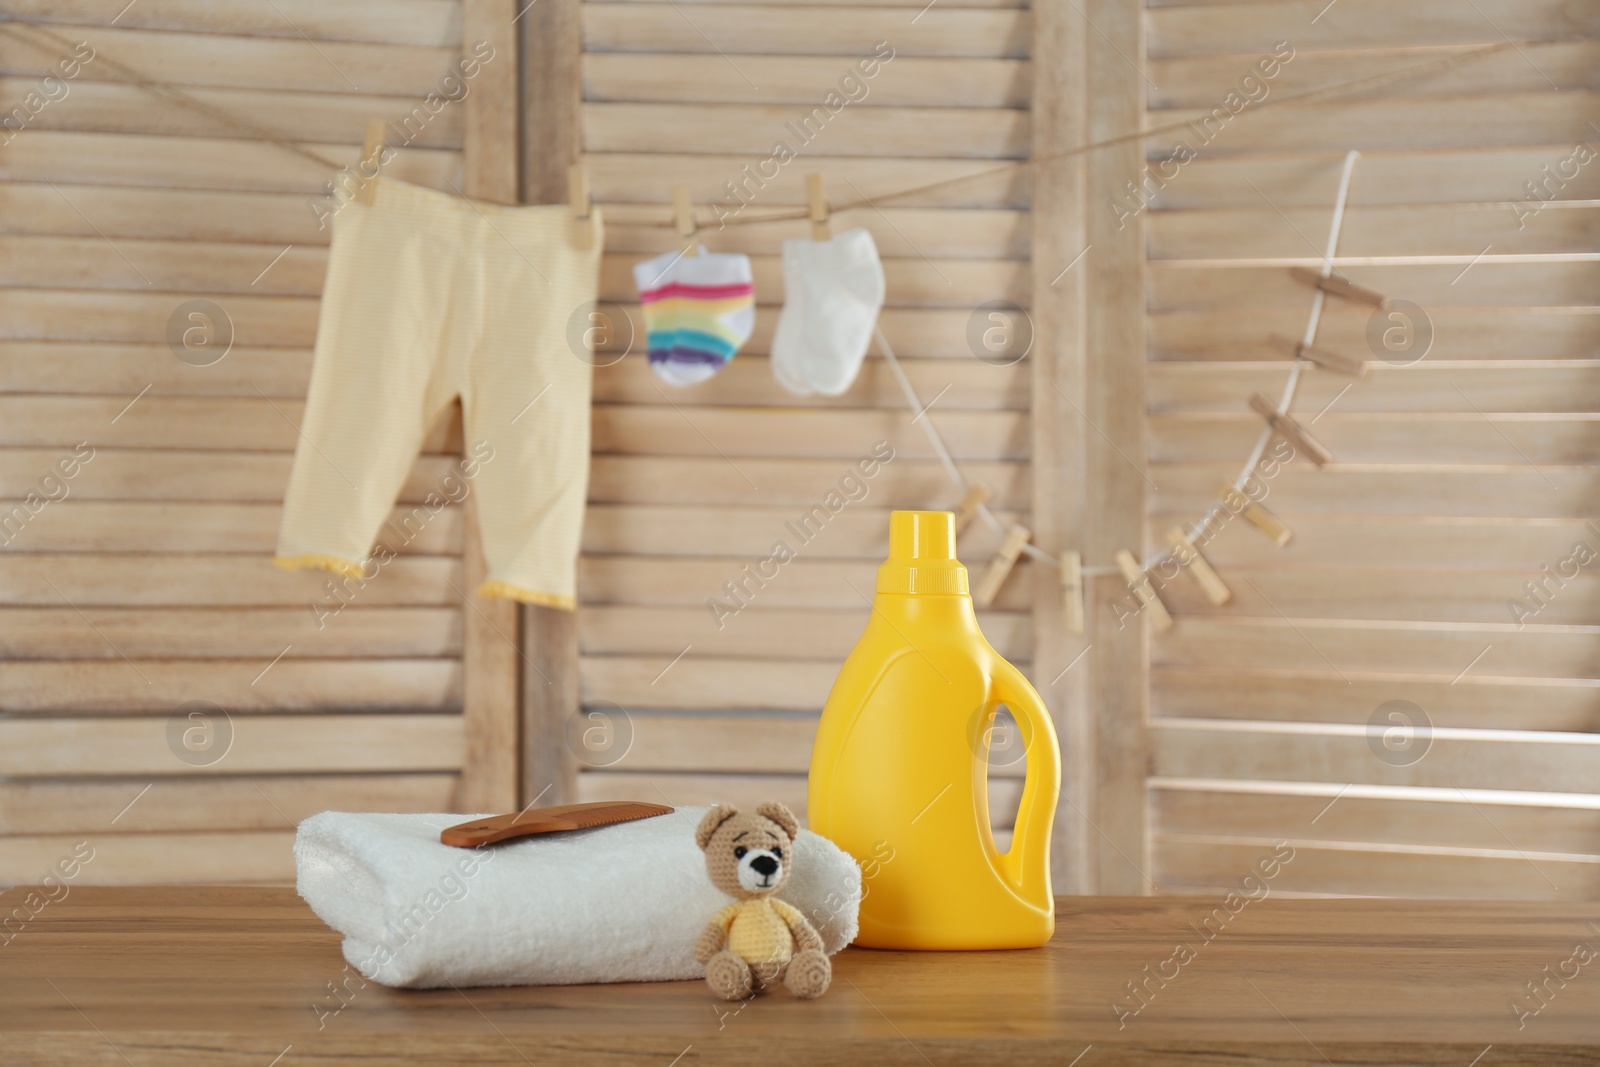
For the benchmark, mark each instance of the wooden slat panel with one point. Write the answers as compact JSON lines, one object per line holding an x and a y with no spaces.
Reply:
{"x":742,"y":790}
{"x":801,"y":30}
{"x":721,"y":744}
{"x":205,"y":633}
{"x":193,"y":581}
{"x":1393,"y":594}
{"x":1420,"y":542}
{"x":72,"y":806}
{"x":180,"y":475}
{"x":420,"y":22}
{"x":1570,"y":705}
{"x":1509,"y":491}
{"x":1214,"y":864}
{"x":1380,"y":230}
{"x":638,"y":177}
{"x":656,"y":682}
{"x":83,"y":263}
{"x":1446,"y":818}
{"x":1524,"y":385}
{"x":87,"y":526}
{"x":1203,"y":81}
{"x":955,"y":233}
{"x":1458,"y":333}
{"x":202,"y":163}
{"x":748,"y":382}
{"x":1311,"y":180}
{"x":1254,"y":27}
{"x":124,"y":109}
{"x":804,"y":583}
{"x":1440,"y":649}
{"x":1497,"y":285}
{"x":54,"y":315}
{"x":173,"y":422}
{"x":981,"y":133}
{"x":142,"y":474}
{"x":804,"y":80}
{"x":1313,"y":752}
{"x":187,"y":214}
{"x":1520,"y":120}
{"x":750,"y":532}
{"x":262,"y":744}
{"x":1469,"y":439}
{"x":758,"y":632}
{"x":157,"y":859}
{"x":74,"y":687}
{"x":123,"y":369}
{"x":848,"y":436}
{"x":801,"y":486}
{"x":245,"y":62}
{"x":711,"y":6}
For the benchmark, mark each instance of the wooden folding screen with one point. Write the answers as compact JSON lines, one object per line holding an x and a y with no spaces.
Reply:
{"x":693,"y":485}
{"x":168,"y":695}
{"x":1373,"y":694}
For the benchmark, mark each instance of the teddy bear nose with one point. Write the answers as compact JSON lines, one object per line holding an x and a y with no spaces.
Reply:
{"x":764,"y":865}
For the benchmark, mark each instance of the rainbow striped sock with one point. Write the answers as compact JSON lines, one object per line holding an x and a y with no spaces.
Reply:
{"x":698,"y":310}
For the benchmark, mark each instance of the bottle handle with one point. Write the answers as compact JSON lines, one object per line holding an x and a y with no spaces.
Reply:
{"x":1026,"y":865}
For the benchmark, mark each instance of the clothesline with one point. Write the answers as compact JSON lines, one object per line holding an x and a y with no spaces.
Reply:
{"x":1309,"y":338}
{"x":172,"y":93}
{"x":1308,"y":96}
{"x":179,"y":96}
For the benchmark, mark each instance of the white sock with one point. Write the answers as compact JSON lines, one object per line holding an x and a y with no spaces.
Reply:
{"x":832,"y":292}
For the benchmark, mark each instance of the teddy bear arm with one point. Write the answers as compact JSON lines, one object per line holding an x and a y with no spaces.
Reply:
{"x":710,"y":941}
{"x":805,"y":935}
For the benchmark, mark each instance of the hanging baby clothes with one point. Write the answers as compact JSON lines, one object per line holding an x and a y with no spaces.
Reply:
{"x":428,"y":296}
{"x":832,"y":292}
{"x":698,"y":310}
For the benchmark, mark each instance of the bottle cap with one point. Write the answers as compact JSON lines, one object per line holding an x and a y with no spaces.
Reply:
{"x":922,"y":554}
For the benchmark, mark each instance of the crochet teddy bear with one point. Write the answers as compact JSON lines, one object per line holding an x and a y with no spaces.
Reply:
{"x":757,"y":940}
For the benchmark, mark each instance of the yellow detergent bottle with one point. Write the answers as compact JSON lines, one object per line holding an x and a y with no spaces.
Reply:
{"x":900,"y":768}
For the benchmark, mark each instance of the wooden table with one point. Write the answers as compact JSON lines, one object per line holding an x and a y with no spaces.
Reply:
{"x":241,"y":976}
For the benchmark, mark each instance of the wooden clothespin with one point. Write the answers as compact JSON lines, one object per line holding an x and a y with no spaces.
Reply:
{"x":1000,"y":564}
{"x":1139,"y":584}
{"x":371,"y":161}
{"x":1334,"y":285}
{"x":817,"y":206}
{"x":1072,"y":590}
{"x":1287,"y":428}
{"x":1264,"y":520}
{"x":683,"y":219}
{"x":976,"y":496}
{"x":1185,"y":552}
{"x":582,"y":206}
{"x":1325,"y":358}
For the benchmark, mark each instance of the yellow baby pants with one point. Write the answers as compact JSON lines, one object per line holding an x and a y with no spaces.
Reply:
{"x":429,"y":296}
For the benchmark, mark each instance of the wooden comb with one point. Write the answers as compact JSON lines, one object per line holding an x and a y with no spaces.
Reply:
{"x":547,"y":820}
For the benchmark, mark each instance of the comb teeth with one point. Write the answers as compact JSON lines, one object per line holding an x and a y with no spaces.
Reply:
{"x":548,"y":820}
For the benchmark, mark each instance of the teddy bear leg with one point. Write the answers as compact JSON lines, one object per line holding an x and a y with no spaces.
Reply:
{"x":728,"y":976}
{"x":808,"y":974}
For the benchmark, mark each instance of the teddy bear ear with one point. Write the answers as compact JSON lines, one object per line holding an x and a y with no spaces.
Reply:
{"x":719,"y":814}
{"x":781,"y":815}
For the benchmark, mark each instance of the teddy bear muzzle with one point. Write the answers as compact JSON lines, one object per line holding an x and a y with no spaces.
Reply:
{"x":759,"y":869}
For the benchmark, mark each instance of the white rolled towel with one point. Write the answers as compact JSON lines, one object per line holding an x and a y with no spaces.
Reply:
{"x":618,"y":903}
